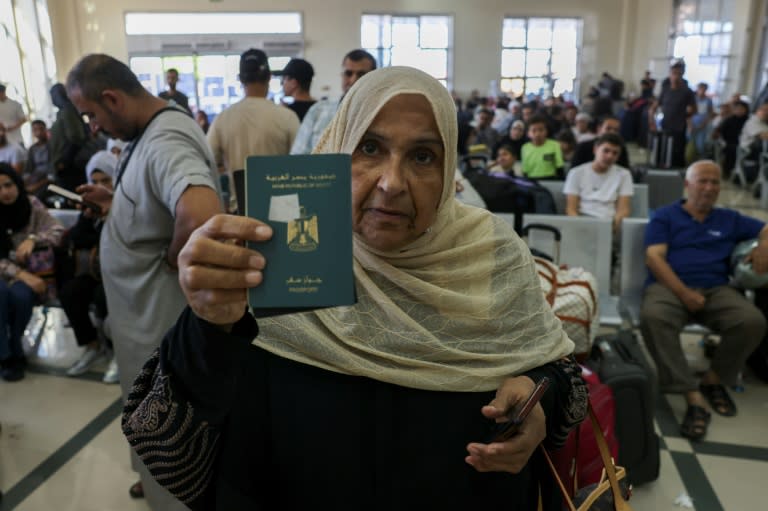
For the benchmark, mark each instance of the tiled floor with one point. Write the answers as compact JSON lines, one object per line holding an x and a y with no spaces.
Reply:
{"x":61,"y":447}
{"x":726,"y":471}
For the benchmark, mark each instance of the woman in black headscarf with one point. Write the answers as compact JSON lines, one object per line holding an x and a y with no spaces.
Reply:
{"x":25,"y":225}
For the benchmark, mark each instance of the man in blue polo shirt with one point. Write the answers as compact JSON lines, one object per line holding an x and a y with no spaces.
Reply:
{"x":688,"y":246}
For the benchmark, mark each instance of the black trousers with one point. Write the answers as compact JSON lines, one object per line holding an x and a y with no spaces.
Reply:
{"x":76,"y":298}
{"x":729,"y":158}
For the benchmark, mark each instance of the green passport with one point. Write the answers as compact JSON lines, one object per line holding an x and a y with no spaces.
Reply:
{"x":307,"y":200}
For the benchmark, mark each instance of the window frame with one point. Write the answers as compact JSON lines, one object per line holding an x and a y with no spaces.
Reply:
{"x":27,"y":37}
{"x":548,"y":76}
{"x":678,"y":30}
{"x":195,"y":97}
{"x":279,"y":46}
{"x":381,"y":52}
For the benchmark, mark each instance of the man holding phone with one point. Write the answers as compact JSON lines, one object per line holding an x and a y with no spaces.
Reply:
{"x":166,"y":186}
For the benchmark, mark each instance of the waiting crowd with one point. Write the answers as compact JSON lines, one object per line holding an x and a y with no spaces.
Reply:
{"x":149,"y":279}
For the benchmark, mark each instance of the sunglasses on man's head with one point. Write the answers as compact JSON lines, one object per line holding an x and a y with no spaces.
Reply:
{"x":349,"y":73}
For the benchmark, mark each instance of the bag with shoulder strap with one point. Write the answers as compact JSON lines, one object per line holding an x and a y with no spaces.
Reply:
{"x":610,"y":493}
{"x":42,"y":262}
{"x":578,"y":460}
{"x":49,"y":339}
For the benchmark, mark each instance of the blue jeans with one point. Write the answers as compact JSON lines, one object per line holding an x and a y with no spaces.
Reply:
{"x":16,"y":302}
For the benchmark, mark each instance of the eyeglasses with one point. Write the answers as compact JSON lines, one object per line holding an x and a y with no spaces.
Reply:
{"x":349,"y":73}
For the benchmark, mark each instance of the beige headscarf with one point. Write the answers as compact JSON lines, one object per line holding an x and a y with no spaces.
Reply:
{"x":457,"y":310}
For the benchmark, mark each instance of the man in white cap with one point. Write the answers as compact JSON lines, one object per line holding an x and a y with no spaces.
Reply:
{"x":581,"y":128}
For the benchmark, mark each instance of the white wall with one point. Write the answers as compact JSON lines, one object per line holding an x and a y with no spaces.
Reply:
{"x":620,"y":36}
{"x":332,"y":27}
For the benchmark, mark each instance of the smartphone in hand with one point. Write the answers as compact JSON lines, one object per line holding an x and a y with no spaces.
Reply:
{"x":77,"y":199}
{"x":505,"y":430}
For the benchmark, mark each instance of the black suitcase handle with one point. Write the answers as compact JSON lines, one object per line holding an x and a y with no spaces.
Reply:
{"x":542,"y":227}
{"x":477,"y":156}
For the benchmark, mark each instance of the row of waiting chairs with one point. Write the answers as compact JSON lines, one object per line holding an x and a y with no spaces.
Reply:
{"x":659,"y":188}
{"x":639,"y":199}
{"x":587,"y":243}
{"x":739,"y":176}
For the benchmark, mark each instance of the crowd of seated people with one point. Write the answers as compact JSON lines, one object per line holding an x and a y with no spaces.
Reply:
{"x":28,"y":234}
{"x":40,"y":261}
{"x":705,"y":133}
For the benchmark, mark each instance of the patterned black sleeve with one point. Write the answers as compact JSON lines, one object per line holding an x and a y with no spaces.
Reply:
{"x":565,"y":404}
{"x":178,"y":448}
{"x":179,"y":401}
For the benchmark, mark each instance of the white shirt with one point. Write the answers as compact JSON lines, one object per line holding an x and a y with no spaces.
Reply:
{"x":597,"y":192}
{"x":12,"y":154}
{"x":252,"y":126}
{"x":11,"y":113}
{"x":318,"y":117}
{"x":583,"y":137}
{"x":143,"y":294}
{"x":751,"y":131}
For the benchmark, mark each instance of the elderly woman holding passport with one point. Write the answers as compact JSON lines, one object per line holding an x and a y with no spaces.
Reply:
{"x":392,"y":403}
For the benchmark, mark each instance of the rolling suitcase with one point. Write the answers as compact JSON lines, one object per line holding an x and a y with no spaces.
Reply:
{"x":621,"y":363}
{"x":660,"y":150}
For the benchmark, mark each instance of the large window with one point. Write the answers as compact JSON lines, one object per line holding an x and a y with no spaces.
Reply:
{"x":209,"y":81}
{"x":205,"y":48}
{"x":539,"y":56}
{"x":423,"y":42}
{"x":26,"y":46}
{"x":702,"y":37}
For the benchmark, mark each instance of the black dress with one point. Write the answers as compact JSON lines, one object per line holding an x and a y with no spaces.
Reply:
{"x":225,"y":425}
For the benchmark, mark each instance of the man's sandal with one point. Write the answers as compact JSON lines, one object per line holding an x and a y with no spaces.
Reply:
{"x":695,"y":422}
{"x":719,"y":399}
